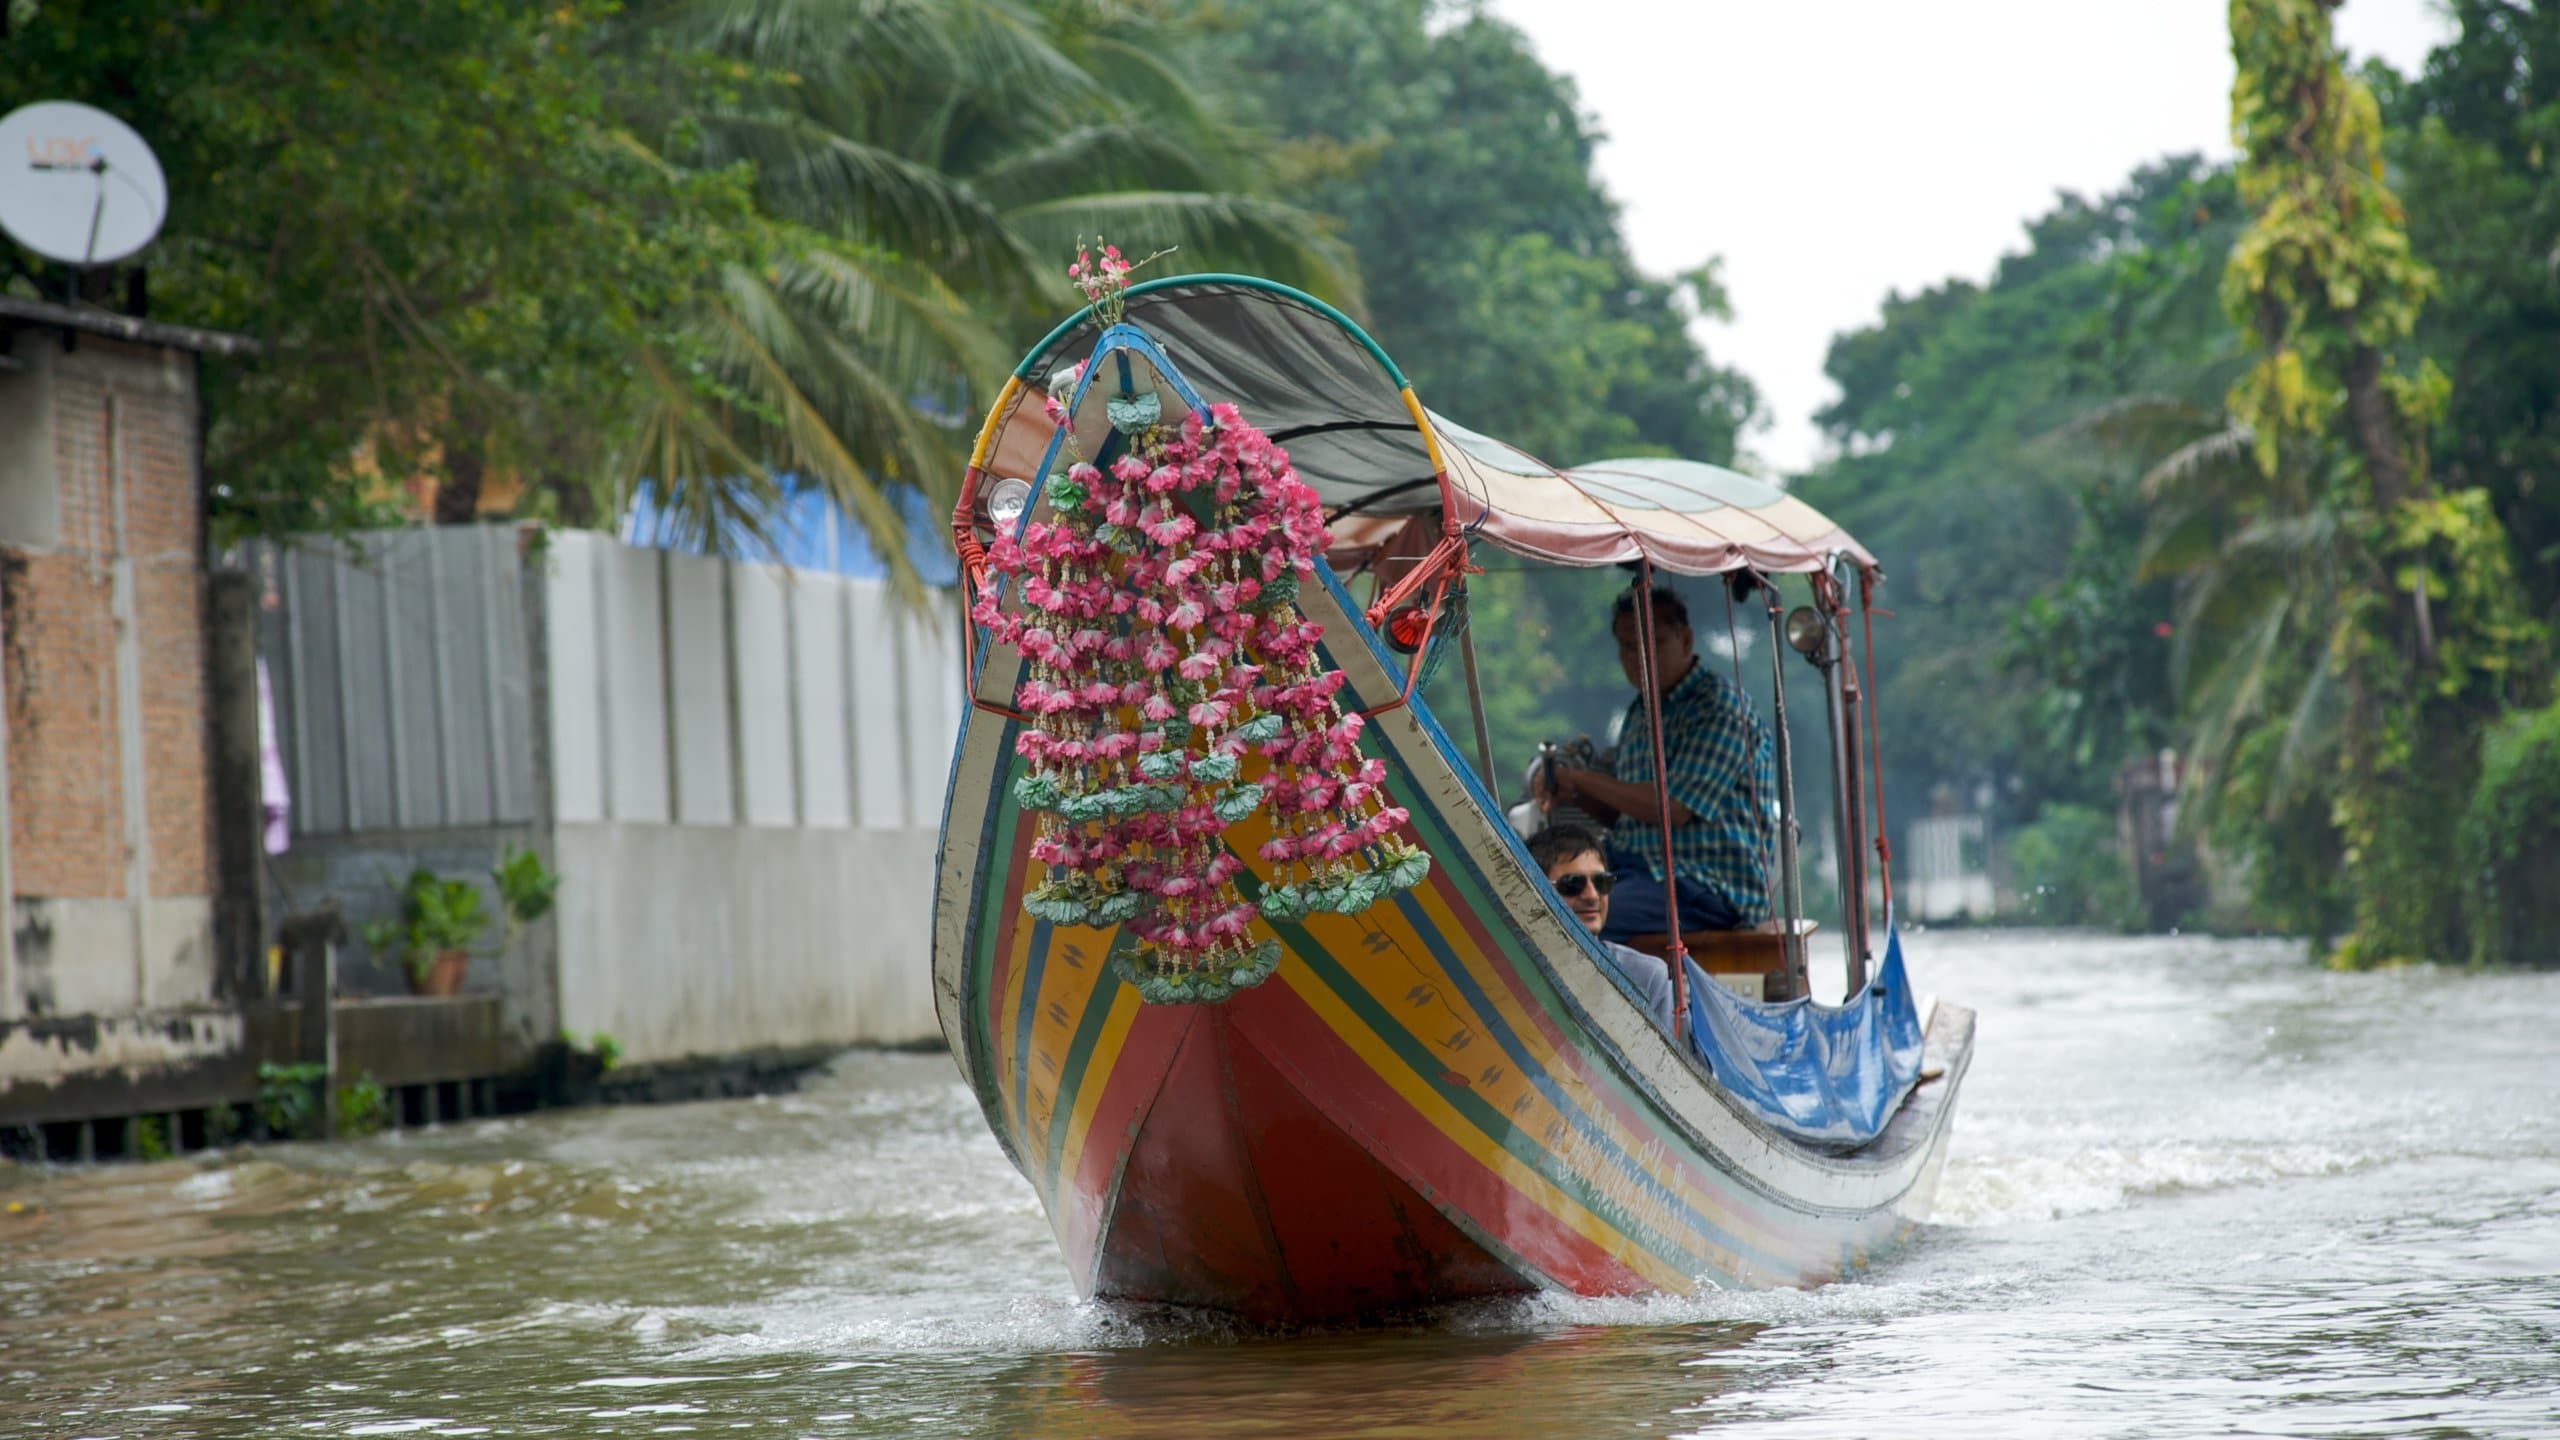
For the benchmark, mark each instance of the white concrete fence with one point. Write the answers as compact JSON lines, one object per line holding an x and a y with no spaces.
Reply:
{"x":748,"y":767}
{"x":740,"y":783}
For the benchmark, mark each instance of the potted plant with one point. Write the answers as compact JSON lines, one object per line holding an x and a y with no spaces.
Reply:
{"x":441,"y":920}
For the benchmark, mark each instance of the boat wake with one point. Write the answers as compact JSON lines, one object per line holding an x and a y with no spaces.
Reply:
{"x":2011,"y":1189}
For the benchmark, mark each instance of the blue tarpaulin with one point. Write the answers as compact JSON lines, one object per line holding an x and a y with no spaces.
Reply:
{"x":1829,"y":1077}
{"x":811,"y":532}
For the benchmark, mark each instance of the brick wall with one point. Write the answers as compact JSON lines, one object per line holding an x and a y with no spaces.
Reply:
{"x":66,"y":800}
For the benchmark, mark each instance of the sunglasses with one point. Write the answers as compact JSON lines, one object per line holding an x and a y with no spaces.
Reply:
{"x":1570,"y":886}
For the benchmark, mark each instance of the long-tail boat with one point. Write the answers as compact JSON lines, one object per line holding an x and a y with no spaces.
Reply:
{"x":1337,"y":1049}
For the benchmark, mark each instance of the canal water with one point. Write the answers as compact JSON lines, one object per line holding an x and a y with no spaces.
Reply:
{"x":2197,"y":1187}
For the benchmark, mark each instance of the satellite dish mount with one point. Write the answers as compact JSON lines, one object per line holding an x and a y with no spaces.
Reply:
{"x":77,"y":185}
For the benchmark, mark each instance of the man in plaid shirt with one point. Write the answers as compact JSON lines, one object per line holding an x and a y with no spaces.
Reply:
{"x":1722,"y":781}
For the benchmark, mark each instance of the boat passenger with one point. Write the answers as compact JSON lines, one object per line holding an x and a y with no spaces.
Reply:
{"x":1574,"y":858}
{"x":1721,"y":777}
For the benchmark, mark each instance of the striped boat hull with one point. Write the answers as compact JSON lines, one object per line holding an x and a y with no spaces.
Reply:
{"x":1439,"y":1099}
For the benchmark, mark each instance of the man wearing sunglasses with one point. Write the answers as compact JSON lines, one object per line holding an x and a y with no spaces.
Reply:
{"x":1572,"y":856}
{"x":1720,"y":777}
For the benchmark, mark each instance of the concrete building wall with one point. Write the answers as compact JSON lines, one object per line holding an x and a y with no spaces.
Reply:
{"x":109,"y":859}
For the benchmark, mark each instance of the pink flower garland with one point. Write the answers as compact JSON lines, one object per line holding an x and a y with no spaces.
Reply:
{"x":1163,"y":648}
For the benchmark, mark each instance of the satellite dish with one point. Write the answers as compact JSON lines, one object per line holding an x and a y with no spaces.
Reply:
{"x":77,"y":185}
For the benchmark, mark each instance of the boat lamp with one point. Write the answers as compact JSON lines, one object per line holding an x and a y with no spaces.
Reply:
{"x":1807,"y":632}
{"x":1007,"y":501}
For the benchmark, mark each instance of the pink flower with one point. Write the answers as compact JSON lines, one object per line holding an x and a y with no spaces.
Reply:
{"x":1170,"y":530}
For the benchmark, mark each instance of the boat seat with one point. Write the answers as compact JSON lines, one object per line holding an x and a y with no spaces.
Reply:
{"x":1736,"y":955}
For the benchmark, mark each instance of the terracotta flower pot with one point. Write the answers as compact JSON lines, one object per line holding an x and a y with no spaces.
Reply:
{"x":442,"y":976}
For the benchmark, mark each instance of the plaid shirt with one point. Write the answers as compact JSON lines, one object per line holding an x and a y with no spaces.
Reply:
{"x":1722,"y":766}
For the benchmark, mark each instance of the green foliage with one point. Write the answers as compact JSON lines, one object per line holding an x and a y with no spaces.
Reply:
{"x":526,"y":888}
{"x":606,"y":1049}
{"x":2070,"y":869}
{"x":563,"y":250}
{"x":150,"y":1138}
{"x":430,"y":216}
{"x":288,"y":1103}
{"x":2510,"y":843}
{"x":221,"y":1123}
{"x":2424,"y":639}
{"x":436,"y":915}
{"x":1982,"y":431}
{"x":2324,"y":277}
{"x":2475,"y":149}
{"x":364,"y":1108}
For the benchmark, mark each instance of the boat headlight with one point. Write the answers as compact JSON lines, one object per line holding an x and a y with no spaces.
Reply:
{"x":1807,"y":632}
{"x":1007,"y":501}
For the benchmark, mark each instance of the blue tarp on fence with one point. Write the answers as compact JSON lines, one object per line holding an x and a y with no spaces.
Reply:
{"x":1829,"y":1077}
{"x":811,"y":532}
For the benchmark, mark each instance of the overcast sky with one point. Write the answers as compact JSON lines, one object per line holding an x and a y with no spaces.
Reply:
{"x":1834,"y":150}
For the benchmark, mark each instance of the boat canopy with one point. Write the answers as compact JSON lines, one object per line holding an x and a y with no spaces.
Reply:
{"x":1311,"y":379}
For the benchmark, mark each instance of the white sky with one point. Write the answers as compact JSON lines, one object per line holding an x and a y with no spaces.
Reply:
{"x":1834,"y":150}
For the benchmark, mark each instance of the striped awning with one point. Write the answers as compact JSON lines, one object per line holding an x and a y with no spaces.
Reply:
{"x":1687,"y":517}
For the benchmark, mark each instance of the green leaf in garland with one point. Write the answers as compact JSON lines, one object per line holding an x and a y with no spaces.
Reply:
{"x":1161,"y":765}
{"x":1237,"y":803}
{"x":1214,"y":769}
{"x":1277,"y":592}
{"x":1284,"y":903}
{"x":1258,"y":730}
{"x":1408,"y":870}
{"x":1065,"y":494}
{"x":1036,"y":792}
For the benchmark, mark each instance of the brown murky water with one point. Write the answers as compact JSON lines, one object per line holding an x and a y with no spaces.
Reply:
{"x":2198,"y":1187}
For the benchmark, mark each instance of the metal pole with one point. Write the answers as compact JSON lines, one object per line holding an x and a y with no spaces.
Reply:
{"x":1835,"y":725}
{"x":1790,"y":882}
{"x":1678,"y":959}
{"x":1475,"y":705}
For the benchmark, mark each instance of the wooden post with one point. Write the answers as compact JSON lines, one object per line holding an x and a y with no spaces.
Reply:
{"x":312,"y":939}
{"x":239,"y":818}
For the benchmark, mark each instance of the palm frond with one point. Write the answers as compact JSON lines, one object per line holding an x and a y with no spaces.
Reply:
{"x":2310,"y":736}
{"x":1089,"y":158}
{"x":2144,"y":424}
{"x":836,"y":184}
{"x":2219,"y":461}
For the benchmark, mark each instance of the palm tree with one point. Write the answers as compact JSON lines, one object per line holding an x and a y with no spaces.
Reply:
{"x":920,"y":170}
{"x":2263,"y":563}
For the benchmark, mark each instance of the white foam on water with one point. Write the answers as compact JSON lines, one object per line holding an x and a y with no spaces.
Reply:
{"x":206,"y":1186}
{"x":2008,"y":1189}
{"x":831,"y":1323}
